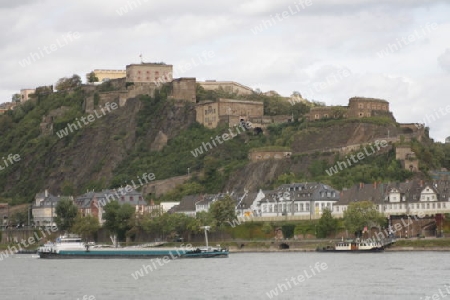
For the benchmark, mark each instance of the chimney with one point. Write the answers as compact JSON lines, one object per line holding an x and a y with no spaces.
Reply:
{"x":421,"y":183}
{"x":46,"y":193}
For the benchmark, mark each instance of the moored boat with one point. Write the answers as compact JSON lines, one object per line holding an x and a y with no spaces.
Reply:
{"x":207,"y":251}
{"x":356,"y":246}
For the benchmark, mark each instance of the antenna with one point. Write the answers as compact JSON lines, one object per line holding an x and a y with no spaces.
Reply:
{"x":140,"y":55}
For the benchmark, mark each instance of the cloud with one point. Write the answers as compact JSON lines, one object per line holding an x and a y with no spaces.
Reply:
{"x":444,"y":60}
{"x":300,"y":52}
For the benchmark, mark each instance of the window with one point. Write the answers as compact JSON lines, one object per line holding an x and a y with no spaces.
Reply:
{"x":301,"y":207}
{"x":131,"y":198}
{"x":316,"y":117}
{"x":360,"y":105}
{"x":361,"y":114}
{"x":122,"y":198}
{"x":307,"y":206}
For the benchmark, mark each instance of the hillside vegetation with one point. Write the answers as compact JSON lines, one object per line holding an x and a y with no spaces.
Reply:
{"x":115,"y":149}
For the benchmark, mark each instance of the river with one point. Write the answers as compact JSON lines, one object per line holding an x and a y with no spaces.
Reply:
{"x":301,"y":275}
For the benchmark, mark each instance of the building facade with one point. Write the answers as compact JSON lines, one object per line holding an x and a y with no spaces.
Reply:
{"x":149,"y":72}
{"x":43,"y":209}
{"x":230,"y":111}
{"x":25,"y":94}
{"x":358,"y":107}
{"x":104,"y":75}
{"x":406,"y":198}
{"x":297,"y":199}
{"x":92,"y":203}
{"x":227,"y":86}
{"x":184,"y":89}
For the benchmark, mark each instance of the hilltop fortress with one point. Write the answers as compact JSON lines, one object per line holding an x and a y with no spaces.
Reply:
{"x":146,"y":78}
{"x":358,"y":107}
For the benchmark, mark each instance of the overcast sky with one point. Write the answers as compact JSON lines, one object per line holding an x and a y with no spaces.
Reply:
{"x":328,"y":50}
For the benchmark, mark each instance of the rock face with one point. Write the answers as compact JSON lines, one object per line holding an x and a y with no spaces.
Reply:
{"x":97,"y":149}
{"x":159,"y":142}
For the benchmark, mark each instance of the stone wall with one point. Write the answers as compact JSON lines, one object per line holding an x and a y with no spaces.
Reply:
{"x":263,"y":155}
{"x":407,"y":158}
{"x":359,"y":107}
{"x":227,"y":86}
{"x":184,"y":89}
{"x":149,"y":72}
{"x":207,"y":113}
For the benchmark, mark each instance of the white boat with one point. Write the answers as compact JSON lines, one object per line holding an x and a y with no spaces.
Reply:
{"x":357,"y":246}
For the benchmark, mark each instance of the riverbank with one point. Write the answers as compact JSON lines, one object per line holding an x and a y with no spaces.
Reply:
{"x":429,"y":244}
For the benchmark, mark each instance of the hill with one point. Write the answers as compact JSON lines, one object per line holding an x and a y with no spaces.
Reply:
{"x":158,"y":135}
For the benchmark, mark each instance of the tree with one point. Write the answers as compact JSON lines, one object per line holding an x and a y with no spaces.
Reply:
{"x":19,"y":218}
{"x":65,"y":83}
{"x":267,"y":228}
{"x":16,"y":98}
{"x":327,"y":224}
{"x":223,"y":210}
{"x":361,"y":214}
{"x":91,"y":77}
{"x":66,"y":211}
{"x":86,"y":226}
{"x":118,"y":219}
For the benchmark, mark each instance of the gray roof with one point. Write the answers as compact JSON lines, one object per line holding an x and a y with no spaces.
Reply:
{"x":84,"y":201}
{"x":311,"y":191}
{"x":379,"y":192}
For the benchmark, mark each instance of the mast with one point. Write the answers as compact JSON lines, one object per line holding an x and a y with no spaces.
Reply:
{"x":206,"y":228}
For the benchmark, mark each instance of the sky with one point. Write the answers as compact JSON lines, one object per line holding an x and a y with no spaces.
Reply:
{"x":328,"y":50}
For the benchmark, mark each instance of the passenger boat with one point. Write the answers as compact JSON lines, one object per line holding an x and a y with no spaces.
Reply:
{"x":354,"y":246}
